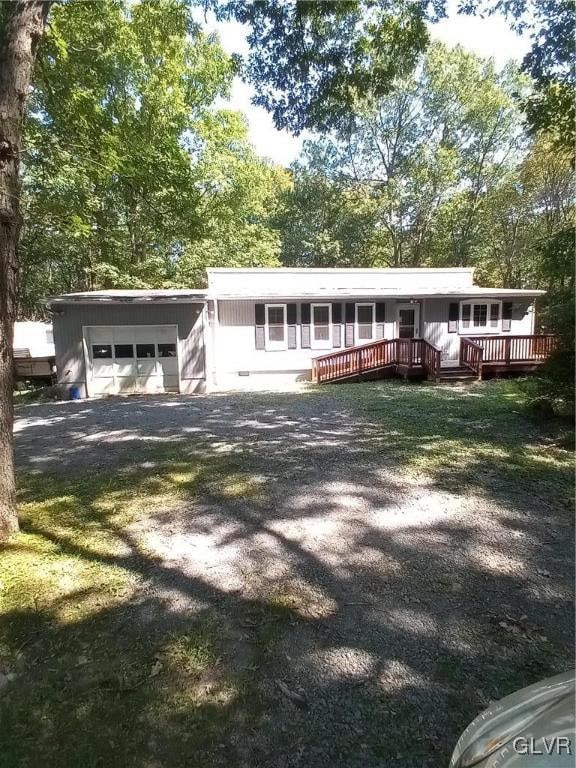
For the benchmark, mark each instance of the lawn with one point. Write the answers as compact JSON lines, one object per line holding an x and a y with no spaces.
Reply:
{"x":342,"y":576}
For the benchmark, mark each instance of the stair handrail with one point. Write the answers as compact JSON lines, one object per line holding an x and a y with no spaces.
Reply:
{"x":432,"y":359}
{"x":471,"y":355}
{"x":430,"y":356}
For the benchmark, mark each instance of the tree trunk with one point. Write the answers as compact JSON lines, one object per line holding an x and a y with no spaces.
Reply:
{"x":23,"y":28}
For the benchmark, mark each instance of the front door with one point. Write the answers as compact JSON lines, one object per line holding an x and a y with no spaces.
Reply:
{"x":408,"y":321}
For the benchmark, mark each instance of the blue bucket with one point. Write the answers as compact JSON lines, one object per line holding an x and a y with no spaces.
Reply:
{"x":75,"y":393}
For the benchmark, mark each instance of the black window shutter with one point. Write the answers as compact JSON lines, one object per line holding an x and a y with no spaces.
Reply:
{"x":453,"y":312}
{"x":350,"y":320}
{"x":260,"y":314}
{"x":259,"y":323}
{"x":291,"y":322}
{"x":336,"y":324}
{"x":305,"y":326}
{"x":380,"y":318}
{"x":506,"y":315}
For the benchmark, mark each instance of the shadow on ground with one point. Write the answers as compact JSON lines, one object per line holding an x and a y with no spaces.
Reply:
{"x":335,"y":578}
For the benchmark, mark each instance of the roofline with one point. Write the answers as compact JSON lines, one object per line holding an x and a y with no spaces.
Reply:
{"x":332,"y":270}
{"x":372,"y":294}
{"x":184,"y":299}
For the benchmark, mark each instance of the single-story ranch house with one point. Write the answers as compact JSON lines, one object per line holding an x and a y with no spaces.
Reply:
{"x":256,"y":327}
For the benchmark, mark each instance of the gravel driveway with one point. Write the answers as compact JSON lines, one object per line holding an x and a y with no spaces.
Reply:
{"x":371,"y":610}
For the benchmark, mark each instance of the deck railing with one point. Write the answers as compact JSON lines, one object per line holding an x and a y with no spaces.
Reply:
{"x":477,"y":351}
{"x":356,"y":361}
{"x":471,"y":355}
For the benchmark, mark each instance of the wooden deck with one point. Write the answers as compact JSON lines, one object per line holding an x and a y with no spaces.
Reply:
{"x":479,"y":356}
{"x":505,"y":354}
{"x":406,"y":357}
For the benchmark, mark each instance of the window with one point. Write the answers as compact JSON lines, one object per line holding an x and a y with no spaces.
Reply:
{"x":276,"y":332}
{"x":365,"y":322}
{"x":480,"y":317}
{"x":321,"y":321}
{"x":166,"y":350}
{"x":101,"y":351}
{"x":145,"y":350}
{"x":123,"y":350}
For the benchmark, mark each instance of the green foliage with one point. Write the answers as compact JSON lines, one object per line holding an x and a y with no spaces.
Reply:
{"x":407,"y":182}
{"x":550,"y":61}
{"x":133,"y":177}
{"x":311,"y":61}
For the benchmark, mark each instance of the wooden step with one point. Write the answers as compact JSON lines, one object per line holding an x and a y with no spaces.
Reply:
{"x":456,"y":373}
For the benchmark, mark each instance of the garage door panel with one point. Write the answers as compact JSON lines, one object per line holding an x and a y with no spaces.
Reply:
{"x":170,"y":383}
{"x":104,"y":386}
{"x":125,"y":384}
{"x":146,"y":368}
{"x":100,"y":335}
{"x":127,"y":359}
{"x":125,"y":368}
{"x":103,"y":369}
{"x":168,"y":366}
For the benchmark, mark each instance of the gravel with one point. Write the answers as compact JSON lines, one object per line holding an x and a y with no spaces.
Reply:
{"x":393,"y":589}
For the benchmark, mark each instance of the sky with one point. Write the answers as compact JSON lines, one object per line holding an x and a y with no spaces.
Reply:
{"x":487,"y":37}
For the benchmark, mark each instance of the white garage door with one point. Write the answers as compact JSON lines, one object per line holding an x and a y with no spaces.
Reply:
{"x":132,"y":358}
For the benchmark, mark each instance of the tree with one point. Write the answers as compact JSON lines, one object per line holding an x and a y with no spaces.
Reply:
{"x":550,"y":108}
{"x":311,"y":61}
{"x":134,"y":177}
{"x":23,"y":26}
{"x":417,"y":164}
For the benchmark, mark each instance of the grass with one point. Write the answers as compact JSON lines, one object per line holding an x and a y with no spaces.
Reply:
{"x":461,"y":436}
{"x":90,"y":675}
{"x":98,"y":671}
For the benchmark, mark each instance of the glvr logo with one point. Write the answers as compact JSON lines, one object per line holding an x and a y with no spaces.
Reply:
{"x":555,"y":745}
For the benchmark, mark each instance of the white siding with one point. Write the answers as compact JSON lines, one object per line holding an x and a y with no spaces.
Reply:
{"x":435,"y":325}
{"x":70,"y":320}
{"x":234,"y":351}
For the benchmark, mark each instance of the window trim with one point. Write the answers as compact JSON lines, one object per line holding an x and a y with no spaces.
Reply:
{"x":321,"y":343}
{"x":357,"y":324}
{"x":476,"y":330}
{"x":275,"y":346}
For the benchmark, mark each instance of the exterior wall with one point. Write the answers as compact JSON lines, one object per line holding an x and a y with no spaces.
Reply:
{"x":70,"y":319}
{"x":235,"y":352}
{"x":435,"y":324}
{"x":237,"y":364}
{"x":329,"y":282}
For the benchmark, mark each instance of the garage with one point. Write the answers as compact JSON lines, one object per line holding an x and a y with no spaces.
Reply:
{"x":125,"y":359}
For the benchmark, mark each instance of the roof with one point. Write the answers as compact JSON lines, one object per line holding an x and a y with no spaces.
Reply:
{"x":285,"y":283}
{"x":387,"y":293}
{"x":339,"y":270}
{"x":121,"y":296}
{"x":309,"y":283}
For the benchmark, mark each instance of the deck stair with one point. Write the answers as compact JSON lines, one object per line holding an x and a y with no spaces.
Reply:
{"x":404,"y":357}
{"x":454,"y":373}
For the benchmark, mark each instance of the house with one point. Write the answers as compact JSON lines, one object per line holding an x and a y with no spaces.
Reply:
{"x":257,"y":327}
{"x":33,"y":351}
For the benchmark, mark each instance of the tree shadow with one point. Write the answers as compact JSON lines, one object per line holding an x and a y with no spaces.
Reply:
{"x":188,"y":557}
